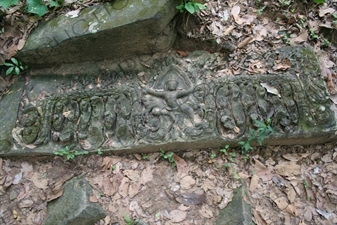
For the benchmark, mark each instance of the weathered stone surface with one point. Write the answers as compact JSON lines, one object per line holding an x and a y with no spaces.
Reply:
{"x":238,"y":211}
{"x":174,"y":103}
{"x":107,"y":31}
{"x":74,"y":207}
{"x":9,"y":105}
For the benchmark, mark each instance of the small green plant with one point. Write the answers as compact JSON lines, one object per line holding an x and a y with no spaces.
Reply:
{"x":285,"y":38}
{"x":235,"y":174}
{"x":245,"y":157}
{"x":263,"y":129}
{"x":313,"y":35}
{"x":113,"y":167}
{"x":128,"y":220}
{"x":99,"y":152}
{"x":69,"y":154}
{"x":224,"y":149}
{"x":326,"y":43}
{"x":190,"y":6}
{"x":15,"y":66}
{"x":145,"y":157}
{"x":228,"y":165}
{"x":232,"y":157}
{"x":213,"y":155}
{"x":168,"y":156}
{"x":260,"y":10}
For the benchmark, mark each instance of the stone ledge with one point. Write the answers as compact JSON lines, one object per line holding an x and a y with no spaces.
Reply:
{"x":172,"y":103}
{"x":107,"y":31}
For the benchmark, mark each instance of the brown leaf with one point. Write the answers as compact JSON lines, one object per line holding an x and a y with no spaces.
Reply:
{"x":325,"y":10}
{"x":254,"y":183}
{"x":245,"y":42}
{"x":132,"y":174}
{"x":182,"y":53}
{"x":288,"y":169}
{"x":108,"y":186}
{"x":177,"y":215}
{"x":124,"y":186}
{"x":190,"y":199}
{"x":258,"y":219}
{"x":187,"y":182}
{"x":206,"y":212}
{"x":134,"y":189}
{"x":181,"y":164}
{"x":208,"y":185}
{"x":303,"y":37}
{"x":281,"y":202}
{"x":56,"y":192}
{"x":291,"y":209}
{"x":147,"y":175}
{"x":39,"y":181}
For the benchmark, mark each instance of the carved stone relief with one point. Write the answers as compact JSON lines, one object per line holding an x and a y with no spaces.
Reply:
{"x":174,"y":101}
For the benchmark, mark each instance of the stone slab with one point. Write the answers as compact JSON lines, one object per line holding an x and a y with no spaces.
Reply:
{"x":9,"y":105}
{"x":110,"y":30}
{"x":74,"y":207}
{"x":173,"y":103}
{"x":238,"y":211}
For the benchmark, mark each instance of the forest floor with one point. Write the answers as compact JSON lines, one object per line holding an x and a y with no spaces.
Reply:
{"x":287,"y":184}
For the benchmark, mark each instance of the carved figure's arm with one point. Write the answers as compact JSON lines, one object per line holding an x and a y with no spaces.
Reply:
{"x":185,"y":92}
{"x":156,"y":93}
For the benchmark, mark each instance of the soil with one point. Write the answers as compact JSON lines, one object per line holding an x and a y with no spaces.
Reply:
{"x":287,"y":184}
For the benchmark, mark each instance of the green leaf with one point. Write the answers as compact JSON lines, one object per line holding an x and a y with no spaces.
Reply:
{"x":9,"y":70}
{"x":53,"y":3}
{"x":190,"y":7}
{"x":36,"y":7}
{"x":200,"y":6}
{"x":241,"y":143}
{"x":17,"y":71}
{"x":180,"y":7}
{"x":8,"y":3}
{"x":8,"y":64}
{"x":15,"y":61}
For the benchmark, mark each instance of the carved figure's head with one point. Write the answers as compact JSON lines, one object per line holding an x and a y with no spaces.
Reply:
{"x":171,"y":85}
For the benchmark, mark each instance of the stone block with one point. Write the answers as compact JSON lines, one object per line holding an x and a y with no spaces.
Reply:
{"x":173,"y":103}
{"x":9,"y":105}
{"x":106,"y":31}
{"x":238,"y":211}
{"x":74,"y":207}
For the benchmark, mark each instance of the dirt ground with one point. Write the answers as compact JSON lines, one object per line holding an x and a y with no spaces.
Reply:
{"x":287,"y":185}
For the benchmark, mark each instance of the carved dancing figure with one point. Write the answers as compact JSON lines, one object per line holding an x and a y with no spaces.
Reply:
{"x":171,"y":96}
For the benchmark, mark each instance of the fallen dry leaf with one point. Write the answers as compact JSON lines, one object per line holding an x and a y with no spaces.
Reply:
{"x":108,"y":186}
{"x":206,"y":212}
{"x":177,"y":215}
{"x":254,"y":183}
{"x":270,"y":89}
{"x":147,"y":175}
{"x":134,"y":189}
{"x":187,"y":182}
{"x":288,"y":169}
{"x":181,"y":164}
{"x":124,"y":187}
{"x":39,"y":181}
